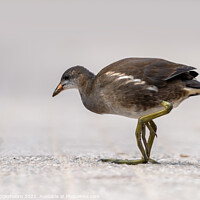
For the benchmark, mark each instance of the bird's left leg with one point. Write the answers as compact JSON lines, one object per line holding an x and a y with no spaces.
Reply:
{"x":140,"y":131}
{"x":145,"y":120}
{"x":148,"y":120}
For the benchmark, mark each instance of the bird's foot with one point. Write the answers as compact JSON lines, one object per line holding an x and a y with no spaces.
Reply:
{"x":129,"y":162}
{"x":153,"y":161}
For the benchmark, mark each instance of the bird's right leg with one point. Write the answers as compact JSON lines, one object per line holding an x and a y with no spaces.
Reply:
{"x":144,"y":140}
{"x":152,"y":129}
{"x":140,"y":134}
{"x":140,"y":131}
{"x":148,"y":121}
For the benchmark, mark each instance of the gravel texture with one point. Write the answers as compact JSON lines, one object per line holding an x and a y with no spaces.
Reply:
{"x":53,"y":154}
{"x":83,"y":176}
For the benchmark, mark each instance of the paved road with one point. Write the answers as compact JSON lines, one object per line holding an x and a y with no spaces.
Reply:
{"x":50,"y":150}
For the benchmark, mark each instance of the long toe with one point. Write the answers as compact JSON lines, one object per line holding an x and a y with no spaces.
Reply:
{"x":130,"y":162}
{"x":153,"y":161}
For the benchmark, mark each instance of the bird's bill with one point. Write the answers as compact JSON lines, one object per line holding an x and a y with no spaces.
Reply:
{"x":58,"y":90}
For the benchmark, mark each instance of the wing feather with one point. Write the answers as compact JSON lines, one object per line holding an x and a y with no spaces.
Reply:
{"x":151,"y":70}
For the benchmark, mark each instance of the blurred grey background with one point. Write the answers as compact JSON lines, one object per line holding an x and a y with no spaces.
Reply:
{"x":40,"y":39}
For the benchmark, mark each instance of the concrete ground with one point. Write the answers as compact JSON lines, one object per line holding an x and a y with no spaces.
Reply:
{"x":50,"y":150}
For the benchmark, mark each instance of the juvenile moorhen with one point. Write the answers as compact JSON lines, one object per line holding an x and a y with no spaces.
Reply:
{"x":142,"y":88}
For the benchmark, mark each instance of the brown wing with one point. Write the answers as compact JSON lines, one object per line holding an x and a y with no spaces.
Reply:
{"x":151,"y":70}
{"x":135,"y":81}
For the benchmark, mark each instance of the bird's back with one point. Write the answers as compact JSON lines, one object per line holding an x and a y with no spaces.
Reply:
{"x":137,"y":85}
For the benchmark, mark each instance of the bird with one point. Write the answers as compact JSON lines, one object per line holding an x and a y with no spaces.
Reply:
{"x":138,"y":88}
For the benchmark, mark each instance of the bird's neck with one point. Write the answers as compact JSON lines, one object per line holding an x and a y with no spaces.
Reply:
{"x":86,"y":89}
{"x":85,"y":84}
{"x":85,"y":81}
{"x":89,"y":92}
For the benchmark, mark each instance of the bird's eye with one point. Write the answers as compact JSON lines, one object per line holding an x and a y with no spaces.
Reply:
{"x":67,"y":77}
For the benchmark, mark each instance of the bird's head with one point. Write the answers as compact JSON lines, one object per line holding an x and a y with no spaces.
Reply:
{"x":68,"y":80}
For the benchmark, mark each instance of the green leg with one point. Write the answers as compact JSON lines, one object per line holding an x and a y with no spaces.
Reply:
{"x":152,"y":128}
{"x":147,"y":120}
{"x":151,"y":136}
{"x":127,"y":162}
{"x":140,"y":130}
{"x":144,"y":140}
